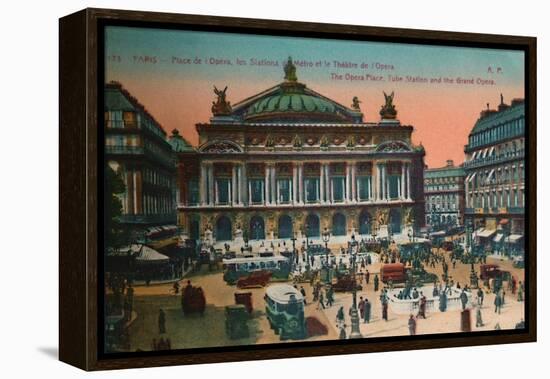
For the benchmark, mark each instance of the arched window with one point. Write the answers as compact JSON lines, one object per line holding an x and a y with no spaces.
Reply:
{"x":285,"y":227}
{"x":339,"y":225}
{"x":364,"y":223}
{"x":257,"y":228}
{"x":395,"y":220}
{"x":223,"y":229}
{"x":312,"y":226}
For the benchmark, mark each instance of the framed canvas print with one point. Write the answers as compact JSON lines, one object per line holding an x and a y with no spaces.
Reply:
{"x":236,"y":189}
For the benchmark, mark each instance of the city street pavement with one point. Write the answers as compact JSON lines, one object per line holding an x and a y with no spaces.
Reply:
{"x":209,"y":330}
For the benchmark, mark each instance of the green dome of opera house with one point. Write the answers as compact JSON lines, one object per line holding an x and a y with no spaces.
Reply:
{"x":290,"y":102}
{"x":293,"y":100}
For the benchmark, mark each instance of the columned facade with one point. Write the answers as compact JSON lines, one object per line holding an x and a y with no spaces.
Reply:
{"x":290,"y":162}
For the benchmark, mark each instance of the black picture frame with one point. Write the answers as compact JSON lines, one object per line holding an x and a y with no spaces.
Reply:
{"x":81,"y":114}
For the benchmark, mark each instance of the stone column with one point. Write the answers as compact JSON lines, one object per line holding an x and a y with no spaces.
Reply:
{"x":382,"y":181}
{"x":244,"y":184}
{"x":267,"y":185}
{"x":239,"y":187}
{"x":234,"y":191}
{"x":402,"y":184}
{"x":202,"y":186}
{"x":347,"y":188}
{"x":408,"y":181}
{"x":301,"y":182}
{"x":322,"y":183}
{"x":274,"y":198}
{"x":374,"y":181}
{"x":211,"y":183}
{"x":294,"y":184}
{"x":328,"y":192}
{"x":353,"y":181}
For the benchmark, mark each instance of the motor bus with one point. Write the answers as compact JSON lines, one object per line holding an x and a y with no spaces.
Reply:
{"x":235,"y":268}
{"x":284,"y":306}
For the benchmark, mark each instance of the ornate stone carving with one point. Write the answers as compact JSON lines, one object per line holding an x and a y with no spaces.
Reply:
{"x":221,"y":147}
{"x":221,"y":106}
{"x":297,"y":142}
{"x":283,"y":140}
{"x":269,"y":142}
{"x":393,"y":146}
{"x":324,"y":142}
{"x":382,"y":216}
{"x":408,"y":216}
{"x":351,"y":142}
{"x":311,"y":141}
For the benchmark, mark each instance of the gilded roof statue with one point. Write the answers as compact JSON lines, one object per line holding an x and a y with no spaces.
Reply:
{"x":290,"y":71}
{"x":355,"y":103}
{"x":221,"y":106}
{"x":388,"y":111}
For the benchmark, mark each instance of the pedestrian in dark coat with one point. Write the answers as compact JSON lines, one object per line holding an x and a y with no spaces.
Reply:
{"x":376,"y":282}
{"x":480,"y":296}
{"x":162,"y":322}
{"x":464,"y":299}
{"x":340,"y":316}
{"x":342,"y":332}
{"x":498,"y":303}
{"x":479,"y":320}
{"x":361,"y":305}
{"x":412,"y":325}
{"x":422,"y":306}
{"x":443,"y":302}
{"x":367,"y":276}
{"x":385,"y":311}
{"x":366,"y":311}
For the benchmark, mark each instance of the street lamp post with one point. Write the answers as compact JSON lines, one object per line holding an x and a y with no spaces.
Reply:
{"x":307,"y":245}
{"x":326,"y":238}
{"x":294,"y":252}
{"x":355,"y":332}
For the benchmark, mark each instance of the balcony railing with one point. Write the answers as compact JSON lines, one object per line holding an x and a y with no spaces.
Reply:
{"x":495,"y":210}
{"x":495,"y":159}
{"x":118,"y":149}
{"x":148,"y":218}
{"x":140,"y":150}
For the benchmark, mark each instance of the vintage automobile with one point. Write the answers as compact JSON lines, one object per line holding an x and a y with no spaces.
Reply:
{"x":491,"y":271}
{"x":192,"y":300}
{"x":236,"y":321}
{"x":394,"y":271}
{"x":346,"y":283}
{"x":255,"y":279}
{"x":398,"y":273}
{"x":278,"y":266}
{"x":285,"y":311}
{"x":244,"y":298}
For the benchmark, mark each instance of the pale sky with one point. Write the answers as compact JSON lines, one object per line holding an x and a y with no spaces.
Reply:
{"x":161,"y":69}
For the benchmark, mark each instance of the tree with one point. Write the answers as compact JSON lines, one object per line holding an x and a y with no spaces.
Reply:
{"x":116,"y":235}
